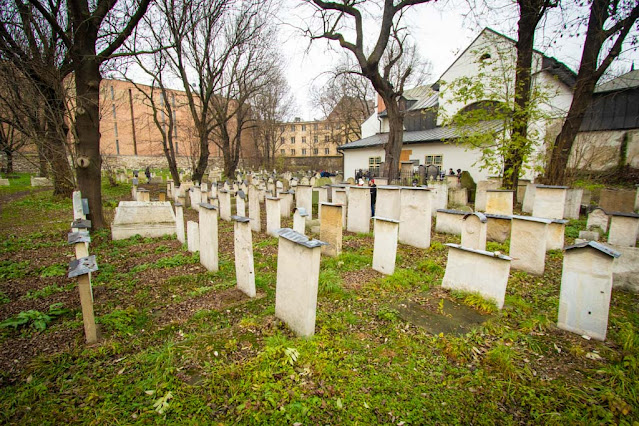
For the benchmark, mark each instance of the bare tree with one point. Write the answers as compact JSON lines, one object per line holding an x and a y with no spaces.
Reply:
{"x":380,"y":65}
{"x":609,"y":25}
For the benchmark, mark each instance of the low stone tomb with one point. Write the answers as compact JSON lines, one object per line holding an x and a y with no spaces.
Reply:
{"x":331,"y":229}
{"x":499,"y":201}
{"x":617,"y":200}
{"x":254,"y":209}
{"x":244,"y":266}
{"x":528,"y":239}
{"x":586,"y":287}
{"x":152,"y":219}
{"x":385,"y":247}
{"x":208,"y":237}
{"x":573,"y":203}
{"x":556,"y":234}
{"x":143,"y":195}
{"x":477,"y":271}
{"x":388,"y":202}
{"x":224,"y":199}
{"x":179,"y":223}
{"x":340,"y":197}
{"x":359,"y":209}
{"x":304,"y":198}
{"x":449,"y":221}
{"x":480,"y":193}
{"x":499,"y":227}
{"x":273,"y":216}
{"x":298,"y":260}
{"x":550,"y":201}
{"x":474,"y":231}
{"x":415,"y":218}
{"x":240,"y":203}
{"x":598,"y":218}
{"x":529,"y":198}
{"x":192,"y":236}
{"x":624,"y":228}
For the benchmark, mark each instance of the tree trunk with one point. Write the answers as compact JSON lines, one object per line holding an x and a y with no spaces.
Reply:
{"x":393,"y":148}
{"x":169,"y":153}
{"x":203,"y":160}
{"x":9,"y":154}
{"x":87,"y":121}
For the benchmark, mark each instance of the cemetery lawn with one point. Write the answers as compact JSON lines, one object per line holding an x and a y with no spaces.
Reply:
{"x":181,"y":345}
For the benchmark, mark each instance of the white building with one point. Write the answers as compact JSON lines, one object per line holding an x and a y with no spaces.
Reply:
{"x":427,"y":140}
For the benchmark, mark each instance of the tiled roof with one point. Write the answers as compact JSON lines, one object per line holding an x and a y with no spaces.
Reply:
{"x":431,"y":135}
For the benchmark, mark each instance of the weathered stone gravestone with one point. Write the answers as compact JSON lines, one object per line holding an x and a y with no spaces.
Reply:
{"x":528,"y":239}
{"x":477,"y":271}
{"x":617,"y":200}
{"x":499,"y":227}
{"x":244,"y":267}
{"x":499,"y":201}
{"x":556,"y":234}
{"x":598,"y":219}
{"x":273,"y":215}
{"x":453,"y":182}
{"x":331,"y":229}
{"x":196,"y":198}
{"x":589,"y":235}
{"x":529,"y":198}
{"x":40,"y":181}
{"x":225,"y":205}
{"x":586,"y":287}
{"x":4,"y":182}
{"x":152,"y":219}
{"x":299,"y":220}
{"x":385,"y":246}
{"x":573,"y":203}
{"x":287,"y":203}
{"x":522,"y":184}
{"x":480,"y":194}
{"x":388,"y":202}
{"x":359,"y":209}
{"x":298,"y":260}
{"x":143,"y":195}
{"x":439,"y":196}
{"x":550,"y":201}
{"x":179,"y":223}
{"x":449,"y":221}
{"x":192,"y":236}
{"x":474,"y":231}
{"x":457,"y":197}
{"x":304,"y":198}
{"x":341,"y":197}
{"x":240,"y":203}
{"x":322,"y":197}
{"x":254,"y":209}
{"x":208,"y":237}
{"x":415,"y":217}
{"x":624,"y":228}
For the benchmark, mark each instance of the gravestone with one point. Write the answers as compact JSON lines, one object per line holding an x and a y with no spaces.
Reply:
{"x":556,"y":234}
{"x":453,"y":182}
{"x":208,"y":237}
{"x":179,"y":223}
{"x":144,"y":196}
{"x":273,"y":216}
{"x":474,"y":231}
{"x":528,"y":239}
{"x":522,"y":184}
{"x":322,"y":197}
{"x":225,"y":205}
{"x":550,"y":201}
{"x":287,"y":203}
{"x":40,"y":181}
{"x":589,"y":235}
{"x":624,"y":228}
{"x":415,"y":217}
{"x":304,"y":198}
{"x":617,"y":200}
{"x":477,"y":271}
{"x":4,"y":182}
{"x":529,"y":198}
{"x":449,"y":221}
{"x":359,"y":209}
{"x":192,"y":236}
{"x":388,"y":202}
{"x":240,"y":203}
{"x":254,"y":209}
{"x":299,"y":220}
{"x":480,"y":194}
{"x":573,"y":203}
{"x":331,"y":229}
{"x":457,"y":197}
{"x":498,"y":228}
{"x":196,"y":198}
{"x":243,"y":247}
{"x":152,"y":219}
{"x":598,"y":219}
{"x":439,"y":196}
{"x":385,"y":246}
{"x":586,"y":287}
{"x":340,"y":197}
{"x":499,"y":201}
{"x":298,"y":260}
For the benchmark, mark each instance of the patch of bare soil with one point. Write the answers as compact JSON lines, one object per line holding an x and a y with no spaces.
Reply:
{"x":354,"y":280}
{"x":180,"y":312}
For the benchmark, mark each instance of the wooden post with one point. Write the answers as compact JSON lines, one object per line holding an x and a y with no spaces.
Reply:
{"x":82,"y":268}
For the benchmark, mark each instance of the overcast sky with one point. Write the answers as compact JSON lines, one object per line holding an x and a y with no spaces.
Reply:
{"x":441,"y":31}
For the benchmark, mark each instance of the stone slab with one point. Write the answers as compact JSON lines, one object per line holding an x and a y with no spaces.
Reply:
{"x":152,"y":219}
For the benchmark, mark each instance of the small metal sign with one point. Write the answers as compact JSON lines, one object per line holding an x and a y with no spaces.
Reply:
{"x":78,"y":237}
{"x":81,"y":224}
{"x":82,"y":266}
{"x":85,"y":206}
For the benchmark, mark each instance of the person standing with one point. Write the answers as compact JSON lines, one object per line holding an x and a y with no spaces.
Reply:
{"x":373,"y":190}
{"x":147,"y":172}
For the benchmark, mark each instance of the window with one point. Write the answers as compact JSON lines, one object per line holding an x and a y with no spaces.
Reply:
{"x":115,"y":129}
{"x":314,"y":151}
{"x":303,"y":139}
{"x":174,"y":130}
{"x":303,"y":127}
{"x":326,"y":151}
{"x":292,"y":127}
{"x":282,"y":151}
{"x":315,"y":139}
{"x":303,"y":151}
{"x":283,"y":140}
{"x":327,"y":126}
{"x":113,"y":109}
{"x":326,"y":138}
{"x":436,"y":160}
{"x":315,"y":127}
{"x":292,"y":152}
{"x":112,"y":94}
{"x":373,"y":165}
{"x":283,"y":128}
{"x":293,"y":139}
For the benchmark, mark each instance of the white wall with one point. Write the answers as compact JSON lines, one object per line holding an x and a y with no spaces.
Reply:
{"x":370,"y":127}
{"x":358,"y":159}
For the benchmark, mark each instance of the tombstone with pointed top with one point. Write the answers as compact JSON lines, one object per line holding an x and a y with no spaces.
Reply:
{"x":273,"y":216}
{"x":586,"y":287}
{"x":528,"y":239}
{"x":474,"y":231}
{"x":243,"y":247}
{"x":385,"y":246}
{"x":208,"y":239}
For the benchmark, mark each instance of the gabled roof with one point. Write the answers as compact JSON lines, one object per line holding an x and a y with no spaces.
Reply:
{"x":629,"y":80}
{"x":438,"y":134}
{"x":424,"y":97}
